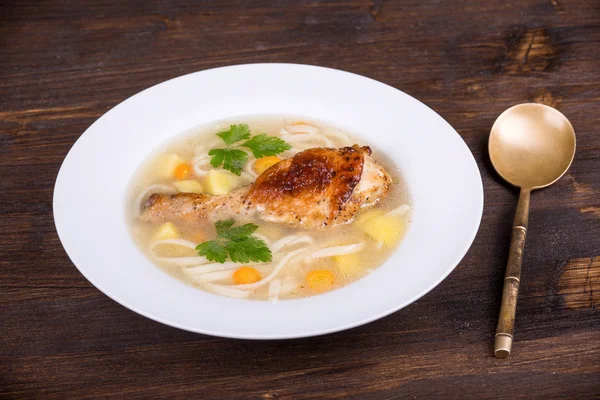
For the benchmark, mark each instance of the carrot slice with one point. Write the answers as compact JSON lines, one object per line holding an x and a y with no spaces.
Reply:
{"x":245,"y":275}
{"x":320,"y":280}
{"x":182,"y":171}
{"x":262,"y":164}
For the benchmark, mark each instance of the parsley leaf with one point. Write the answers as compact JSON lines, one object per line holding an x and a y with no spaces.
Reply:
{"x":218,"y":157}
{"x":233,"y":160}
{"x":263,"y":145}
{"x":240,"y":232}
{"x":235,"y":133}
{"x":223,"y":226}
{"x":214,"y":250}
{"x":248,"y":249}
{"x":235,"y":243}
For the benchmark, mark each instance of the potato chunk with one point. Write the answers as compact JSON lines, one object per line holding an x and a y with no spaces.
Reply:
{"x":220,"y":182}
{"x":166,"y":164}
{"x":348,"y":264}
{"x":168,"y":230}
{"x":383,"y":228}
{"x":188,"y":186}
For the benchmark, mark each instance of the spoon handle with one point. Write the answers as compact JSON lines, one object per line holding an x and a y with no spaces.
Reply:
{"x":506,"y":320}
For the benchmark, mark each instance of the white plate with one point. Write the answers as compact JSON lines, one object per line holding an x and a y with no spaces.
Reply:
{"x":442,"y":177}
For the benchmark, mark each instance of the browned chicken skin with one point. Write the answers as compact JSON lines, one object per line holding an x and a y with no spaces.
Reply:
{"x":316,"y":188}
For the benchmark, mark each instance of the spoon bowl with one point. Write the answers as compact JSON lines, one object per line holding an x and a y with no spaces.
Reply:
{"x":531,"y":146}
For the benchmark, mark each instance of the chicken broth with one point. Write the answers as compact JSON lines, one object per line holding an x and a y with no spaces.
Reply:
{"x":297,"y":248}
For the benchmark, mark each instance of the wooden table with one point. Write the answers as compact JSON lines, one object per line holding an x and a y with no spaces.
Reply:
{"x":63,"y":65}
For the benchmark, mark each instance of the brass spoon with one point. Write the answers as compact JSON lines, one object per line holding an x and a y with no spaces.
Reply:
{"x":531,"y":146}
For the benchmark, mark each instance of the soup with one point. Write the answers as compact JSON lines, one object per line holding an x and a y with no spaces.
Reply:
{"x":268,"y":208}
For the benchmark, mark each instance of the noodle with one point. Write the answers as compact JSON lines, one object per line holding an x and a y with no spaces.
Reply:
{"x":212,"y":276}
{"x":299,"y":129}
{"x":304,"y":136}
{"x":181,"y":261}
{"x":213,"y":267}
{"x":227,"y":291}
{"x":309,"y":139}
{"x":274,"y":290}
{"x":289,"y":241}
{"x":201,"y":165}
{"x":338,"y":250}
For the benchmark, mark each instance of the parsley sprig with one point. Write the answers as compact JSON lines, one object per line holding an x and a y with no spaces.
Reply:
{"x":263,"y":145}
{"x":233,"y":160}
{"x":235,"y":243}
{"x":235,"y":133}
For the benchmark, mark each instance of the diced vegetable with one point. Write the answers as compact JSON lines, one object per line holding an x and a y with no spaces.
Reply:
{"x":166,"y":165}
{"x":188,"y":186}
{"x":245,"y":275}
{"x":381,"y":227}
{"x":220,"y":182}
{"x":320,"y":280}
{"x":364,"y":216}
{"x":168,"y":230}
{"x":182,"y":171}
{"x":348,"y":263}
{"x":262,"y":164}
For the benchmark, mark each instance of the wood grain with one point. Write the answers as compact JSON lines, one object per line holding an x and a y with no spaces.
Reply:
{"x":65,"y":63}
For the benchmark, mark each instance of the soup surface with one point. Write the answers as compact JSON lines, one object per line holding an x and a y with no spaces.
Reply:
{"x":266,"y":258}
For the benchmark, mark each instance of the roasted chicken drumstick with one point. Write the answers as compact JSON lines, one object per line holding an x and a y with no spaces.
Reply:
{"x":316,"y":188}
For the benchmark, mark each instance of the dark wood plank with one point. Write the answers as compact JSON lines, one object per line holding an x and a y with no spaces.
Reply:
{"x":63,"y":64}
